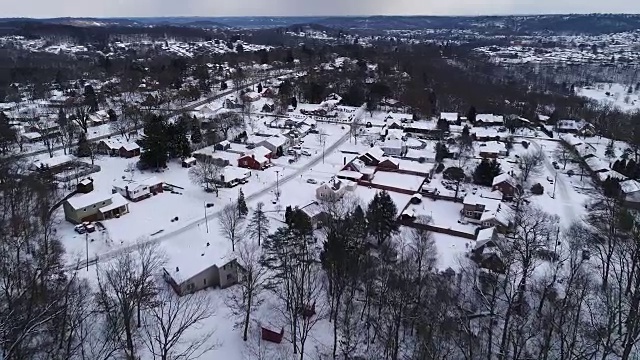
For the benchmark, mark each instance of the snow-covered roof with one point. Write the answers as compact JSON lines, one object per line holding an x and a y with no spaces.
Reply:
{"x":131,"y":146}
{"x":629,"y":186}
{"x":392,"y":160}
{"x":392,"y":144}
{"x":611,"y":173}
{"x":596,"y":164}
{"x":54,"y":161}
{"x":449,"y":116}
{"x":504,"y":178}
{"x":235,"y":173}
{"x":350,"y":174}
{"x":276,"y":141}
{"x":493,"y":147}
{"x":375,"y":152}
{"x":117,"y":201}
{"x":490,"y":118}
{"x":85,"y":200}
{"x":112,"y":144}
{"x":486,"y":234}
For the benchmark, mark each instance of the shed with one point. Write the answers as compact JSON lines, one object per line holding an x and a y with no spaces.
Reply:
{"x":189,"y":162}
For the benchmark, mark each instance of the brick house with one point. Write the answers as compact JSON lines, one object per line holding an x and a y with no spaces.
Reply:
{"x":258,"y":159}
{"x":506,"y":184}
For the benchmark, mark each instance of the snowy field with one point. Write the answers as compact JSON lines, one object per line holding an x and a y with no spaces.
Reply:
{"x":616,"y":95}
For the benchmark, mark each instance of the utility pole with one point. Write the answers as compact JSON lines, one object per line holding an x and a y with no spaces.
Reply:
{"x":86,"y":241}
{"x":277,"y":185}
{"x":555,"y":181}
{"x":206,"y":220}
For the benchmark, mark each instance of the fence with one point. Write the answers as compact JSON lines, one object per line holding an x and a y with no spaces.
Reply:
{"x":81,"y":170}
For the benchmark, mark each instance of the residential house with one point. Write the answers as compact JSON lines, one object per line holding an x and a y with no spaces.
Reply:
{"x":394,"y":147}
{"x":138,"y":190}
{"x":631,"y":192}
{"x":334,"y":190}
{"x":109,"y":147}
{"x":358,"y":166}
{"x":129,"y":150}
{"x":54,"y":164}
{"x":317,"y":215}
{"x":257,"y":159}
{"x":222,"y":146}
{"x":269,"y":93}
{"x":94,"y":206}
{"x":31,"y":137}
{"x":506,"y":184}
{"x":389,"y":163}
{"x":492,"y":150}
{"x":251,"y":96}
{"x":232,"y":176}
{"x":232,"y":103}
{"x":489,"y":119}
{"x":372,"y":157}
{"x":277,"y":144}
{"x":486,"y":252}
{"x":189,"y":278}
{"x":486,"y":212}
{"x":580,"y":127}
{"x":219,"y":158}
{"x":596,"y":165}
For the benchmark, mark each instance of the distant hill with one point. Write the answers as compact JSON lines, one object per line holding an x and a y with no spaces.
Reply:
{"x":591,"y":24}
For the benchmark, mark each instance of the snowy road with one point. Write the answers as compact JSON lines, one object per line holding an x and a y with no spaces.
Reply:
{"x":193,"y":223}
{"x":562,"y":192}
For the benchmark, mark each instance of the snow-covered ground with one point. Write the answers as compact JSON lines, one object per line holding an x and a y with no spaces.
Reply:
{"x":612,"y":94}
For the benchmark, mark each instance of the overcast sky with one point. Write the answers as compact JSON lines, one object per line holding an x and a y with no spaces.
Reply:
{"x":139,"y":8}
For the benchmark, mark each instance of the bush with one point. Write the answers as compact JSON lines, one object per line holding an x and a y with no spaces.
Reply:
{"x":525,"y":144}
{"x":454,"y":173}
{"x":440,"y":168}
{"x":571,"y":173}
{"x":537,"y":189}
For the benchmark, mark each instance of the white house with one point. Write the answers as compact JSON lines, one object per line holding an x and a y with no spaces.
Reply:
{"x":335,"y":190}
{"x":138,"y":190}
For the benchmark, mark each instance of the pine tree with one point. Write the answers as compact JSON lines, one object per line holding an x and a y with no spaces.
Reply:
{"x":196,"y":132}
{"x":381,"y":217}
{"x":609,"y":151}
{"x":486,"y":171}
{"x":441,"y":151}
{"x":471,"y":114}
{"x":259,"y":224}
{"x":84,"y":148}
{"x":7,"y":134}
{"x":155,"y":143}
{"x":466,"y":141}
{"x":259,"y":87}
{"x":242,"y":205}
{"x":631,"y":169}
{"x":179,"y":143}
{"x":619,"y":166}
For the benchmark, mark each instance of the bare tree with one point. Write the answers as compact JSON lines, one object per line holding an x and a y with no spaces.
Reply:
{"x":206,"y":173}
{"x":226,"y":122}
{"x":170,"y":323}
{"x":232,"y":224}
{"x":48,"y":134}
{"x":81,"y":116}
{"x":125,"y":286}
{"x":245,"y":298}
{"x":530,"y":163}
{"x":122,"y":126}
{"x":247,"y":113}
{"x":563,"y":154}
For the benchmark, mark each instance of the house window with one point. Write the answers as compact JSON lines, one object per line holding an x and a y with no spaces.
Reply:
{"x":229,"y":277}
{"x":469,"y":213}
{"x":104,"y":202}
{"x":94,"y":206}
{"x":205,"y":281}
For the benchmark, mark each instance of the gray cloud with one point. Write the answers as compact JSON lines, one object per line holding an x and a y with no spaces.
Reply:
{"x":125,"y":8}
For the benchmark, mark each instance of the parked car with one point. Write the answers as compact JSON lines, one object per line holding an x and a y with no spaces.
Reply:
{"x":306,"y":153}
{"x":80,"y":229}
{"x":312,"y":181}
{"x":90,"y":227}
{"x":549,"y":179}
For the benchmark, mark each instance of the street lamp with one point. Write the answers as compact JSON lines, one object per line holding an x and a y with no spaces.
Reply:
{"x":86,"y":240}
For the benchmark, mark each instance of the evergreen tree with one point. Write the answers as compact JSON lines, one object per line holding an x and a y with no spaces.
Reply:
{"x":441,"y":151}
{"x":631,"y":169}
{"x":466,"y":140}
{"x":443,"y":126}
{"x":381,"y":217}
{"x":611,"y":187}
{"x":471,"y":114}
{"x":609,"y":151}
{"x":178,"y":142}
{"x":259,"y":225}
{"x":7,"y":134}
{"x":242,"y":204}
{"x":223,"y":86}
{"x":196,"y":132}
{"x":260,"y":88}
{"x":486,"y":171}
{"x":155,"y":142}
{"x":84,"y":148}
{"x":619,"y":166}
